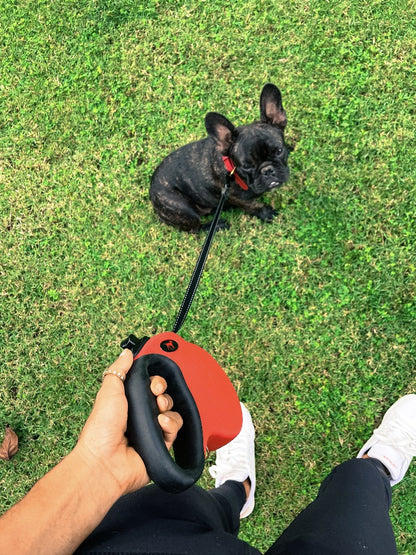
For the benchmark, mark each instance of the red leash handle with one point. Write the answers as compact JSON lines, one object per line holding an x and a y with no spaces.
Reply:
{"x":201,"y":393}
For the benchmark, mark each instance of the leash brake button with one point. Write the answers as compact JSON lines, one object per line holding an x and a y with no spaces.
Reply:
{"x":134,"y":343}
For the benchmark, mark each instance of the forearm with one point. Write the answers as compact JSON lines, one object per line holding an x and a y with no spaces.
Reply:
{"x":60,"y":511}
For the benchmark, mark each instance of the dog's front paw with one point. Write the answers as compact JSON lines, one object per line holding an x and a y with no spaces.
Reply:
{"x":267,"y":213}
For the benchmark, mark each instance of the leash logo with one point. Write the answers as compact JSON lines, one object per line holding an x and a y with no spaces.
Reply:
{"x":169,"y":346}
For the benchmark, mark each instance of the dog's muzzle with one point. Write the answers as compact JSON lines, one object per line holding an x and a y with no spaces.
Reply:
{"x":272,"y":176}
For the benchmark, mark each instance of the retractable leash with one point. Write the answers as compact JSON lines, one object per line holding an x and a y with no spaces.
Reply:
{"x":201,"y":391}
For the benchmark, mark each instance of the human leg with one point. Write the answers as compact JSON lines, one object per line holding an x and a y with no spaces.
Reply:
{"x":350,"y":513}
{"x":154,"y":520}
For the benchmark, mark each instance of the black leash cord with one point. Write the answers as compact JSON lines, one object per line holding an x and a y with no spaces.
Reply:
{"x":199,"y":268}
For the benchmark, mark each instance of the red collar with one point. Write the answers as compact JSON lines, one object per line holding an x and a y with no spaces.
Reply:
{"x":230,"y":167}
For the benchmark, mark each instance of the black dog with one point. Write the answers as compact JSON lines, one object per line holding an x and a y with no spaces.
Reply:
{"x":188,"y":183}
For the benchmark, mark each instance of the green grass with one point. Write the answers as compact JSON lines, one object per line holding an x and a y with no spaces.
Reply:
{"x":313,"y":316}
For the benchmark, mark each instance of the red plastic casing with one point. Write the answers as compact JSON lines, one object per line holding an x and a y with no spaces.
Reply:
{"x":217,"y":401}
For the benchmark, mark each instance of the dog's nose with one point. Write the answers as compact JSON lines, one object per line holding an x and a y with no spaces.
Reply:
{"x":268,"y":170}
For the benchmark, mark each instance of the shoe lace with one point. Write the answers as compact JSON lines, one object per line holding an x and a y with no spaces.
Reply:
{"x":399,"y":436}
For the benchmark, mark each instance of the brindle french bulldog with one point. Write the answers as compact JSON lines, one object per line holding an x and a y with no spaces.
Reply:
{"x":189,"y":181}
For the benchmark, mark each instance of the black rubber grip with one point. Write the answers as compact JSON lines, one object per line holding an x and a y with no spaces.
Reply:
{"x":145,"y":435}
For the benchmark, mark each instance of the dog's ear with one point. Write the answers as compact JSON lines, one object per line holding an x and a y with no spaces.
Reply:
{"x":271,"y":108}
{"x":221,"y":129}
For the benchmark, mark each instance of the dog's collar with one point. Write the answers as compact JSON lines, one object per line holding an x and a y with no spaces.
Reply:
{"x":230,"y":167}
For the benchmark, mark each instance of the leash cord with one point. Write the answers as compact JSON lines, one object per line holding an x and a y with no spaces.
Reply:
{"x":199,"y":267}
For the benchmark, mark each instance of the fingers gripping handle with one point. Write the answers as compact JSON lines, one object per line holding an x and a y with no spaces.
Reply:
{"x":145,"y":434}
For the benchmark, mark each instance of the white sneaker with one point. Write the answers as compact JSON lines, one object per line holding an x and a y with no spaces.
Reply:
{"x":236,"y":461}
{"x":393,"y":443}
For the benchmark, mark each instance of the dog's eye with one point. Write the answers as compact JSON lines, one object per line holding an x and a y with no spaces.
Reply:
{"x":247,"y":166}
{"x":278,"y":151}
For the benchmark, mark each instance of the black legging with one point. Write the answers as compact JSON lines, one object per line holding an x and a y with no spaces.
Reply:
{"x":349,"y":516}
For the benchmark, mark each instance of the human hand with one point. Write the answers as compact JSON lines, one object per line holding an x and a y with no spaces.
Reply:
{"x":103,"y":443}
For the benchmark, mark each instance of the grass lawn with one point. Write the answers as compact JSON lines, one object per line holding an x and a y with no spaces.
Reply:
{"x":313,"y":316}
